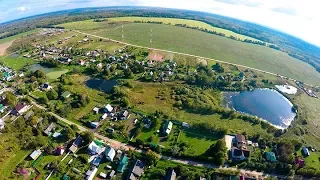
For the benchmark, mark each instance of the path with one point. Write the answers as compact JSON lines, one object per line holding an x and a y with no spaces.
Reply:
{"x":190,"y":55}
{"x":119,"y":145}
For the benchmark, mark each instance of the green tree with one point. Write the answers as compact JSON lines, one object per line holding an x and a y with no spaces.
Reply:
{"x":70,"y":133}
{"x":11,"y":99}
{"x":52,"y":94}
{"x":88,"y":136}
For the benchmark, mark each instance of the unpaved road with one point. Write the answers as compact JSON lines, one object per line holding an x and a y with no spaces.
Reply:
{"x":4,"y":46}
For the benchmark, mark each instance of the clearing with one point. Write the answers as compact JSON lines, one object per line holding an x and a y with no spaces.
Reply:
{"x":4,"y":46}
{"x":15,"y":63}
{"x":199,"y":43}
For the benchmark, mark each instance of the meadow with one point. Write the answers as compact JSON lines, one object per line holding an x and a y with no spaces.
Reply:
{"x":15,"y":63}
{"x":199,"y":43}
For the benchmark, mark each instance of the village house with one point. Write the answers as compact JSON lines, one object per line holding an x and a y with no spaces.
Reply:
{"x":49,"y":129}
{"x":240,"y":141}
{"x":104,"y":116}
{"x":136,"y":170}
{"x":300,"y":162}
{"x":240,"y":154}
{"x":305,"y":151}
{"x":91,"y":173}
{"x":94,"y":125}
{"x":19,"y":109}
{"x":82,"y":62}
{"x":270,"y":156}
{"x":76,"y":144}
{"x":110,"y":153}
{"x":124,"y":115}
{"x":167,"y":127}
{"x":35,"y":154}
{"x":95,"y":148}
{"x":171,"y":175}
{"x":66,"y":95}
{"x":96,"y":110}
{"x":2,"y":107}
{"x":60,"y":150}
{"x":45,"y":87}
{"x":108,"y":108}
{"x":2,"y":124}
{"x":122,"y":164}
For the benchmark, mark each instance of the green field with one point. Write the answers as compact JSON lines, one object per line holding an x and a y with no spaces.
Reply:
{"x":10,"y":164}
{"x":15,"y":63}
{"x":56,"y":74}
{"x":195,"y":42}
{"x":191,"y":23}
{"x":11,"y":38}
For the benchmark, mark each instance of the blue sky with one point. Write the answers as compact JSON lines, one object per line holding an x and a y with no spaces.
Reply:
{"x":295,"y":17}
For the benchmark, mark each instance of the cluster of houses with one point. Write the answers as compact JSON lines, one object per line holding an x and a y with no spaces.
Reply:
{"x":9,"y":74}
{"x":113,"y":113}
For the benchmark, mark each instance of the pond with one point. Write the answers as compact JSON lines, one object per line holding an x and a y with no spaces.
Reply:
{"x":267,"y":104}
{"x":51,"y":73}
{"x":101,"y":85}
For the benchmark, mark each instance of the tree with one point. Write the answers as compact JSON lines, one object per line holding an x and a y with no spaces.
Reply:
{"x":88,"y":136}
{"x":70,"y":133}
{"x":151,"y":158}
{"x":175,"y":150}
{"x":218,"y":151}
{"x":52,"y":94}
{"x":128,"y":73}
{"x":43,"y":100}
{"x":11,"y":99}
{"x":39,"y":74}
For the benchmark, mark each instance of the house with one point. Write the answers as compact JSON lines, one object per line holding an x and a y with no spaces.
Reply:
{"x":167,"y":127}
{"x":240,"y":141}
{"x":35,"y":154}
{"x":50,"y":128}
{"x":185,"y":125}
{"x":96,"y":162}
{"x":270,"y":156}
{"x":60,"y":150}
{"x":96,"y":110}
{"x":76,"y":144}
{"x":300,"y":162}
{"x":104,"y":116}
{"x":94,"y":148}
{"x":81,"y":62}
{"x":147,"y":123}
{"x":171,"y":175}
{"x":240,"y":154}
{"x":56,"y":134}
{"x":1,"y":124}
{"x":103,"y":175}
{"x":28,"y":115}
{"x":65,"y":94}
{"x":122,"y":164}
{"x":108,"y":108}
{"x":46,"y":87}
{"x":94,"y":125}
{"x":20,"y":109}
{"x":305,"y":151}
{"x":124,"y":115}
{"x":110,"y":153}
{"x":2,"y":108}
{"x":136,"y":170}
{"x":111,"y":174}
{"x":91,"y":173}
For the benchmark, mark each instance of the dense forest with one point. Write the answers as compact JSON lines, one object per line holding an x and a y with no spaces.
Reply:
{"x":293,"y":46}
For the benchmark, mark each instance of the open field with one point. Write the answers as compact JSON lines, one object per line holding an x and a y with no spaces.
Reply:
{"x":16,"y":63}
{"x":4,"y":46}
{"x":199,"y":43}
{"x":146,"y":99}
{"x":191,"y":23}
{"x":56,"y":74}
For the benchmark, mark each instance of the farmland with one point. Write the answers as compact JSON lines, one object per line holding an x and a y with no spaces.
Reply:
{"x":190,"y":41}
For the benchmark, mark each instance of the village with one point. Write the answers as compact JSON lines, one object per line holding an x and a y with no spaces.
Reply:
{"x":78,"y":153}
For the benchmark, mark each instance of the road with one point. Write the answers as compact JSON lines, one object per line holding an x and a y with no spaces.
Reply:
{"x":123,"y":146}
{"x":190,"y":55}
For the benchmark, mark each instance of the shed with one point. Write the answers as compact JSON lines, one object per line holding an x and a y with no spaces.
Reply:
{"x":50,"y":128}
{"x":270,"y":156}
{"x":167,"y":127}
{"x":94,"y":124}
{"x":305,"y":151}
{"x":104,"y":116}
{"x":91,"y":173}
{"x":108,"y":108}
{"x":110,"y":153}
{"x":1,"y":108}
{"x":35,"y":154}
{"x":103,"y":175}
{"x":96,"y":110}
{"x":185,"y":125}
{"x":66,"y":94}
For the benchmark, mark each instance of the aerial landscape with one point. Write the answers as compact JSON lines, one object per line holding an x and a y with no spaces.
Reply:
{"x":133,"y":92}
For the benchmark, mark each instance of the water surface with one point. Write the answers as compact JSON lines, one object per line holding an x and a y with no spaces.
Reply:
{"x":264,"y":103}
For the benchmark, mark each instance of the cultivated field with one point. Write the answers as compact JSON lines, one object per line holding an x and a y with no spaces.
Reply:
{"x":191,"y":23}
{"x":199,"y":43}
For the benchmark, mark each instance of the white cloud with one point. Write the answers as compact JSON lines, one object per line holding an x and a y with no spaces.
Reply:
{"x":23,"y":8}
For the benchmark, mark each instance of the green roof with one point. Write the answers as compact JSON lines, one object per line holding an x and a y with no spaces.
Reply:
{"x":271,"y":156}
{"x":65,"y":94}
{"x":1,"y":106}
{"x":123,"y":163}
{"x":99,"y":143}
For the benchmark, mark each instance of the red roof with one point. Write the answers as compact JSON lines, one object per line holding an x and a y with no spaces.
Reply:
{"x":20,"y":106}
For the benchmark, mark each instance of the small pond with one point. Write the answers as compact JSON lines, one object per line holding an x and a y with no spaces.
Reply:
{"x":101,"y":85}
{"x":267,"y":104}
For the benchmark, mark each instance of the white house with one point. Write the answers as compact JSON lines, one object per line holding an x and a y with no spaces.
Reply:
{"x":104,"y":116}
{"x":91,"y":173}
{"x":35,"y":154}
{"x":94,"y":148}
{"x":108,"y":108}
{"x":110,"y":153}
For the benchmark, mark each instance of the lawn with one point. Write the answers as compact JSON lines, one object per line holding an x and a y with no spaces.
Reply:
{"x":199,"y":43}
{"x":312,"y":160}
{"x":56,"y":74}
{"x":10,"y":164}
{"x":16,"y":63}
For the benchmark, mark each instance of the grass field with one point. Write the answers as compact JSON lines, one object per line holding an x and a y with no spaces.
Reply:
{"x":199,"y":43}
{"x":16,"y":63}
{"x":11,"y":38}
{"x":191,"y":23}
{"x":145,"y":98}
{"x":56,"y":74}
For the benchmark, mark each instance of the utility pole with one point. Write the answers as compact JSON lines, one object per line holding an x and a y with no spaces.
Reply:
{"x":150,"y":39}
{"x":122,"y":34}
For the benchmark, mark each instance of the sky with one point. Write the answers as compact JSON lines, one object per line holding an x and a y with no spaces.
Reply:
{"x":296,"y":17}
